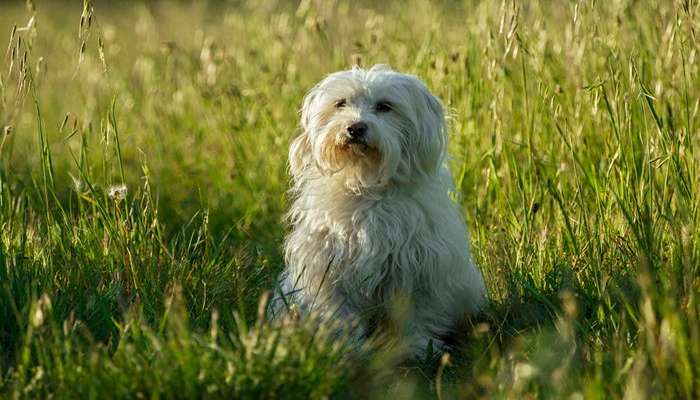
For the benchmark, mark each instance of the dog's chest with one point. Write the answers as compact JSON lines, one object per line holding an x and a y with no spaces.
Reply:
{"x":377,"y":237}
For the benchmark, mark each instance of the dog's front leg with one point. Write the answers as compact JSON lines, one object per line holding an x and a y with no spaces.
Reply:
{"x":425,"y":330}
{"x":345,"y":323}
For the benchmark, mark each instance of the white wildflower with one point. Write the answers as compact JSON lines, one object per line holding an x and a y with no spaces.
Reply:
{"x":117,"y":192}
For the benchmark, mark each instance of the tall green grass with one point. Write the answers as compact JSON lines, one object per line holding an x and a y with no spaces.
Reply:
{"x":143,"y":179}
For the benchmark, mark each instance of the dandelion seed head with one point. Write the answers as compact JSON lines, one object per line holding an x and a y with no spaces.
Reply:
{"x":117,"y":192}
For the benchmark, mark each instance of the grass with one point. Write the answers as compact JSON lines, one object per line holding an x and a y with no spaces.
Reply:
{"x":575,"y":133}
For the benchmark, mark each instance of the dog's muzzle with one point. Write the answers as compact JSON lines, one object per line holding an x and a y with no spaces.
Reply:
{"x":356,"y":133}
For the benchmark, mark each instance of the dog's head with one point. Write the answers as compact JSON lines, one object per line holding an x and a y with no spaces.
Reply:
{"x":373,"y":127}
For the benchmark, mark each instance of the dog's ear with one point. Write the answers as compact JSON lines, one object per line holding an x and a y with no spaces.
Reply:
{"x":432,"y":138}
{"x":300,"y":150}
{"x":307,"y":108}
{"x":299,"y":154}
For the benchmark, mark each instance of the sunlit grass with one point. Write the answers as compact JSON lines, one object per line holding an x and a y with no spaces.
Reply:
{"x":143,"y":178}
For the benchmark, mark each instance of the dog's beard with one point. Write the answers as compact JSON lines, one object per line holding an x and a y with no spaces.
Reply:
{"x":358,"y":163}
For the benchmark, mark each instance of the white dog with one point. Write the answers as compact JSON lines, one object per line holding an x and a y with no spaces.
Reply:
{"x":372,"y":220}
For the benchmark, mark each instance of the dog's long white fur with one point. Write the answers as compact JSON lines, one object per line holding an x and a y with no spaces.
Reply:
{"x":372,"y":221}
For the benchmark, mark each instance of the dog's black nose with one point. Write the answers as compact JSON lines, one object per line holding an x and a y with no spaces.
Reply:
{"x":357,"y":130}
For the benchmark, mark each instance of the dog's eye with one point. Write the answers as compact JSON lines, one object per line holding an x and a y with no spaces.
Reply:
{"x":383,"y":106}
{"x":341,"y":103}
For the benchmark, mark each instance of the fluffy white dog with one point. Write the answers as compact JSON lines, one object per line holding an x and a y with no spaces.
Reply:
{"x":372,"y":220}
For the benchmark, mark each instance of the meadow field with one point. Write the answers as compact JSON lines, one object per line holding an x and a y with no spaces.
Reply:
{"x":143,"y":184}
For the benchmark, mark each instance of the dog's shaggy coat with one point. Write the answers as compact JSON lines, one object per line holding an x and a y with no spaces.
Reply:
{"x":372,"y":220}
